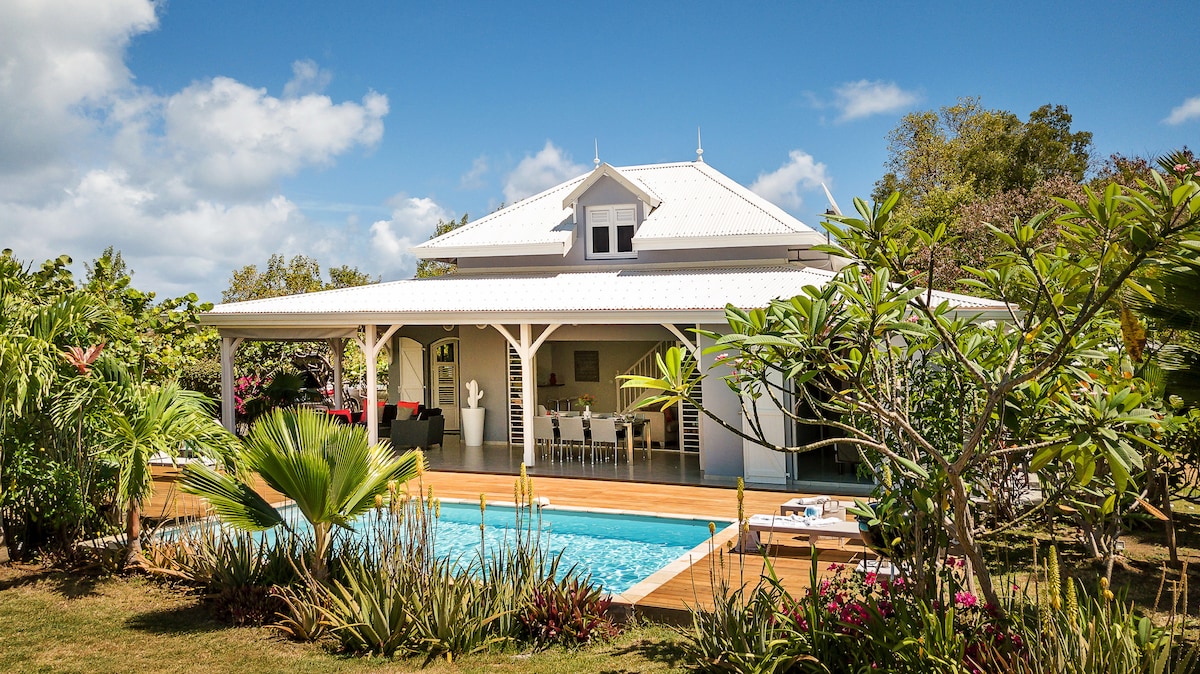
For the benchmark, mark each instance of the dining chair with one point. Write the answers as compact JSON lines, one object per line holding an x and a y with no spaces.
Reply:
{"x":543,"y":433}
{"x":570,"y":430}
{"x":604,"y":432}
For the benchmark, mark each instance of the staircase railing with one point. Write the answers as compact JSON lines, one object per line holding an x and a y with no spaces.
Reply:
{"x":646,"y":366}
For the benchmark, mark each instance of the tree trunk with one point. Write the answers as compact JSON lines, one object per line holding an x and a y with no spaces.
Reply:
{"x":1169,"y":511}
{"x":963,"y":529}
{"x":133,"y":537}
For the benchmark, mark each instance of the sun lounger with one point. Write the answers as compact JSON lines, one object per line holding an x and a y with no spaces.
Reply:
{"x":792,"y":525}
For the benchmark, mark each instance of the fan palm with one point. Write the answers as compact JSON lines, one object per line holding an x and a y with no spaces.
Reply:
{"x":147,"y":419}
{"x":328,"y":469}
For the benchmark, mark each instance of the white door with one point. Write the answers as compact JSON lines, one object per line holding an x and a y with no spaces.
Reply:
{"x":444,"y":367}
{"x":412,"y":370}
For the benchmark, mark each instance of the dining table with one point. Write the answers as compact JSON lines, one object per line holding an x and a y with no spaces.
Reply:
{"x":632,"y":425}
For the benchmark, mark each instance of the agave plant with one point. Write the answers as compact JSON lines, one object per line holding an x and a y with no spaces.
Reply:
{"x":330,"y":470}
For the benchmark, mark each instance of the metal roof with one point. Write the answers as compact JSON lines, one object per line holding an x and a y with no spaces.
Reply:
{"x":700,"y":208}
{"x":608,"y":297}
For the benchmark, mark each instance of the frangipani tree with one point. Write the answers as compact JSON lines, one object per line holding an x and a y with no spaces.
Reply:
{"x":330,"y":470}
{"x":936,"y":399}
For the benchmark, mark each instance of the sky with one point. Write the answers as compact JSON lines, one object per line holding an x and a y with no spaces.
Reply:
{"x":198,"y":137}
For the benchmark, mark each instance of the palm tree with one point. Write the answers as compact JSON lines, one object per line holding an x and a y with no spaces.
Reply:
{"x":328,"y":469}
{"x":146,"y":419}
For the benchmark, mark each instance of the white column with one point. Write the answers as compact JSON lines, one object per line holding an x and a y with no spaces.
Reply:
{"x":371,"y":344}
{"x":372,"y":411}
{"x":338,"y":346}
{"x":528,"y":393}
{"x":229,"y":347}
{"x":526,"y":348}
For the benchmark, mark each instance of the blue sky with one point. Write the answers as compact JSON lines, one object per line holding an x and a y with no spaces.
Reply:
{"x":201,"y":136}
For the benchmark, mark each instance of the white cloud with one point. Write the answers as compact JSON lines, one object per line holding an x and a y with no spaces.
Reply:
{"x":307,"y":78}
{"x":473,"y":179}
{"x":863,"y":99}
{"x":413,"y":221}
{"x":544,"y":170}
{"x":60,"y":62}
{"x":1187,"y":111}
{"x":183,"y":183}
{"x":172,"y":247}
{"x":234,"y":138}
{"x":782,"y":187}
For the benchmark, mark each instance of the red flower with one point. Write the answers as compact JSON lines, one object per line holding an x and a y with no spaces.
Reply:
{"x":81,"y":358}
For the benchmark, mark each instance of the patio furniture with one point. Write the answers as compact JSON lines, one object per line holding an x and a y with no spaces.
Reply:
{"x":658,"y":431}
{"x":604,"y":432}
{"x":791,"y":525}
{"x":423,"y":431}
{"x":544,"y":433}
{"x":570,"y":430}
{"x":827,"y":506}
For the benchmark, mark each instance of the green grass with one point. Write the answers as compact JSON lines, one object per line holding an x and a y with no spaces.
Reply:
{"x":59,"y":622}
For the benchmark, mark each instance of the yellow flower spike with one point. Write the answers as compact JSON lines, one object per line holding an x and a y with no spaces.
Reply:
{"x":392,"y":487}
{"x":379,"y":501}
{"x":741,"y":498}
{"x":712,"y":528}
{"x":482,"y":502}
{"x":437,"y":507}
{"x":1054,"y":578}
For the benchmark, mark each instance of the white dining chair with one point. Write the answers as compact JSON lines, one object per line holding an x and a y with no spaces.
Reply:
{"x":543,"y":433}
{"x":571,"y":431}
{"x":604,"y":432}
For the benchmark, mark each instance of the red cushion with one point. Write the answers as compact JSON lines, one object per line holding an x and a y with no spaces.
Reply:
{"x":411,"y":406}
{"x":345,"y":415}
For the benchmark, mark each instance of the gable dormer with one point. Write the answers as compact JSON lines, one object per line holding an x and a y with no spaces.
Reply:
{"x":608,"y":208}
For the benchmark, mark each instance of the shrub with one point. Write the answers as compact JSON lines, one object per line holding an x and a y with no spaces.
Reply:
{"x":572,"y":612}
{"x":235,"y":570}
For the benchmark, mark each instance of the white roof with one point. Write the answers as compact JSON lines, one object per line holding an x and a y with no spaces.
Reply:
{"x":699,"y":208}
{"x":608,"y":297}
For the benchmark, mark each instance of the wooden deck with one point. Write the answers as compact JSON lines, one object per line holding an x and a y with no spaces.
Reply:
{"x":789,"y":556}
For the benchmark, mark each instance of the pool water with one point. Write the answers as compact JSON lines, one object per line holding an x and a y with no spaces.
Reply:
{"x":618,"y":550}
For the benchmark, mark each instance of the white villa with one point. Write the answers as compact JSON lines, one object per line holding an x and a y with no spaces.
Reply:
{"x":557,"y":295}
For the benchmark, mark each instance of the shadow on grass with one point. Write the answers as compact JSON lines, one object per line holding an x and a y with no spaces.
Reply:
{"x":71,"y":585}
{"x":652,"y":650}
{"x":181,"y":620}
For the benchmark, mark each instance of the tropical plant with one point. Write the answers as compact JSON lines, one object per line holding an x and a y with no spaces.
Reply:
{"x":330,"y":470}
{"x":573,"y":611}
{"x":1010,"y":391}
{"x":147,"y":419}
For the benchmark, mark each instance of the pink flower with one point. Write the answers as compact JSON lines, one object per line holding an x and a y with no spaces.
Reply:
{"x":1180,"y":168}
{"x":871,"y":578}
{"x":965,"y":599}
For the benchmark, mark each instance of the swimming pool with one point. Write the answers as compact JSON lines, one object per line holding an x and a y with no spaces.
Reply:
{"x":619,"y":550}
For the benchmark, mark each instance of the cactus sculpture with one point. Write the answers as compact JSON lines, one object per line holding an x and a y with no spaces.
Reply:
{"x":473,"y":393}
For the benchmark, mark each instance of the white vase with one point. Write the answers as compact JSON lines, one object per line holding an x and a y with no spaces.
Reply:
{"x":587,"y":411}
{"x":472,"y":426}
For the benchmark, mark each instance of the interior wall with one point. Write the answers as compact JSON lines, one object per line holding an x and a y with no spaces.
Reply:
{"x":483,"y":358}
{"x":615,"y":358}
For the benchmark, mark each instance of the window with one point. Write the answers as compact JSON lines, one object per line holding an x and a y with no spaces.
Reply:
{"x":610,"y":231}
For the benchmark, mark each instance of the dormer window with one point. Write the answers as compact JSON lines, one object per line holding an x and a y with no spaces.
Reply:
{"x":610,"y":230}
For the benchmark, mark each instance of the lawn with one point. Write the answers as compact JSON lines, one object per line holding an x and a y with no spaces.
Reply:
{"x":51,"y":621}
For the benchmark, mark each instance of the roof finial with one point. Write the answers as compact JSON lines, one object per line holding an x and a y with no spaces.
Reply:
{"x":596,"y":161}
{"x":699,"y":147}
